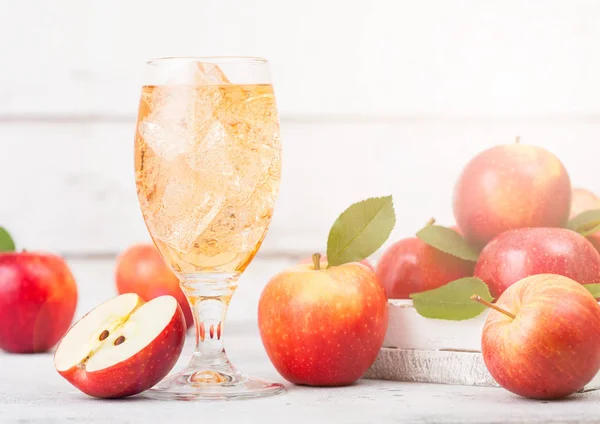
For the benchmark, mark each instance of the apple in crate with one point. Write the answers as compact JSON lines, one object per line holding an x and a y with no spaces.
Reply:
{"x":323,"y":327}
{"x":582,"y":201}
{"x":542,"y":338}
{"x":141,"y":270}
{"x":413,"y":266}
{"x":38,"y":297}
{"x":122,"y":347}
{"x":508,"y":187}
{"x":517,"y":254}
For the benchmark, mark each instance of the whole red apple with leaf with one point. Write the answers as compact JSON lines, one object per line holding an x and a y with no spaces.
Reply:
{"x":323,"y":326}
{"x":435,"y":270}
{"x":421,"y":263}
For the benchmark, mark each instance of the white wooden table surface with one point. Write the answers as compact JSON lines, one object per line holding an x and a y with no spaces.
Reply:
{"x":32,"y":391}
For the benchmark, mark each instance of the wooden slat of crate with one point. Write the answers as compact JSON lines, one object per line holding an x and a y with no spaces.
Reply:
{"x":418,"y":349}
{"x":438,"y":366}
{"x":431,"y":366}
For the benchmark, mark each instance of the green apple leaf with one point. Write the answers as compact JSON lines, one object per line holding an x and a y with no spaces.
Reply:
{"x":594,"y":289}
{"x":453,"y":300}
{"x":6,"y":242}
{"x":360,"y":230}
{"x":448,"y":241}
{"x":586,"y":223}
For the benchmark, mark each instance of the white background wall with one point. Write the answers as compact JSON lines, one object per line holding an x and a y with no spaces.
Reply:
{"x":376,"y":97}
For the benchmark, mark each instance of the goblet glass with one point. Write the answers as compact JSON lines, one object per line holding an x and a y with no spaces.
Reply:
{"x":207,"y":169}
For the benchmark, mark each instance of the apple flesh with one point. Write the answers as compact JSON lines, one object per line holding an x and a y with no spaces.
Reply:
{"x":517,"y":254}
{"x":122,"y":347}
{"x":551,"y":348}
{"x":141,"y":270}
{"x":508,"y":187}
{"x":38,"y":297}
{"x":412,"y":266}
{"x":323,"y":327}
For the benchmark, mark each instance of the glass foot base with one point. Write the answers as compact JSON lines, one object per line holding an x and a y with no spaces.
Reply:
{"x":212,"y":385}
{"x":209,"y":374}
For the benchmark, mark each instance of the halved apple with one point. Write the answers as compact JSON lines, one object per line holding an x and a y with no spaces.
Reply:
{"x":122,"y":347}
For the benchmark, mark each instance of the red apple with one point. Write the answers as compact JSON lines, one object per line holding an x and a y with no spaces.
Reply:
{"x":323,"y":327}
{"x":551,"y":348}
{"x":412,"y":266}
{"x":508,"y":187}
{"x":583,"y":200}
{"x":365,"y":262}
{"x":517,"y":254}
{"x":122,"y":347}
{"x":38,"y":297}
{"x":141,"y":270}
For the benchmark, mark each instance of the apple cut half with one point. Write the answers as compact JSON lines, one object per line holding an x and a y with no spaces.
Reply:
{"x":122,"y":347}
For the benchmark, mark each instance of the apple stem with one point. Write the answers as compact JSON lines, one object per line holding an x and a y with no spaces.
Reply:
{"x":430,"y":222}
{"x":518,"y":139}
{"x":478,"y":298}
{"x":317,"y":261}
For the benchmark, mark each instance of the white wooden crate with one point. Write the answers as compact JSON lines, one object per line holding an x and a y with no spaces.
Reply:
{"x":425,"y":350}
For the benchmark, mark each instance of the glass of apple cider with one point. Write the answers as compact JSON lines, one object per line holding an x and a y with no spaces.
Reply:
{"x":207,"y":170}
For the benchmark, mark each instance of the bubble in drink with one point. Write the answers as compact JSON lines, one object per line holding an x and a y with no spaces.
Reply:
{"x":177,"y":112}
{"x":207,"y":170}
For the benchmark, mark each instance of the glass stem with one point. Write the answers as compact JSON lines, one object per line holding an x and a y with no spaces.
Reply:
{"x":209,"y":301}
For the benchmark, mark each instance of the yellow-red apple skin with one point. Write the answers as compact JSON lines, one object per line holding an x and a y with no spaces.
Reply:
{"x":141,"y":270}
{"x":552,"y":348}
{"x":38,"y":298}
{"x":412,"y":266}
{"x":324,"y":262}
{"x":584,"y":200}
{"x":517,"y":254}
{"x":137,"y":373}
{"x":508,"y":187}
{"x":323,"y":327}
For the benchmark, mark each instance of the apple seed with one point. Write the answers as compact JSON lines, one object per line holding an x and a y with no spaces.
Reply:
{"x":119,"y":340}
{"x":104,"y":335}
